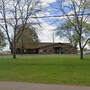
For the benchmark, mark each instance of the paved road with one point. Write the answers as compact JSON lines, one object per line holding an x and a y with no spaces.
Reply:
{"x":32,"y":86}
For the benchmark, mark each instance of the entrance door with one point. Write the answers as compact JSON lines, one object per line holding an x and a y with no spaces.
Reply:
{"x":57,"y":50}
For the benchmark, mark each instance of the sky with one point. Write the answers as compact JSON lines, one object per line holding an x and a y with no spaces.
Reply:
{"x":50,"y":24}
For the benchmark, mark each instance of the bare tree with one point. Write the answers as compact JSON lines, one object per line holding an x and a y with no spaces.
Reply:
{"x":13,"y":14}
{"x":2,"y":40}
{"x":67,"y":30}
{"x":77,"y":10}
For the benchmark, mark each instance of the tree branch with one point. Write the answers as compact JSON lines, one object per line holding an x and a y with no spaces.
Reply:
{"x":86,"y":42}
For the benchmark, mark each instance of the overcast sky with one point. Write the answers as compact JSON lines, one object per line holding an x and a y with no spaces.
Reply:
{"x":50,"y":24}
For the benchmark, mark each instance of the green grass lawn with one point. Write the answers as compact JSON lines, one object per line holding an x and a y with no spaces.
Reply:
{"x":68,"y":70}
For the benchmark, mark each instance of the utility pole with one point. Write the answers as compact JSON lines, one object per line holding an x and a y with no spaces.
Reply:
{"x":53,"y":37}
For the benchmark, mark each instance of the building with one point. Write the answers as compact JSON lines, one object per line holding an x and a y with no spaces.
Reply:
{"x":5,"y":53}
{"x":28,"y":44}
{"x":47,"y":48}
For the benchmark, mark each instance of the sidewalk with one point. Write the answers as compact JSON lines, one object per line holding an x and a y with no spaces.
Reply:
{"x":32,"y":86}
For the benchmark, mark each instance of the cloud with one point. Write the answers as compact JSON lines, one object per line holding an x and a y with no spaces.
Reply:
{"x":45,"y":33}
{"x":46,"y":2}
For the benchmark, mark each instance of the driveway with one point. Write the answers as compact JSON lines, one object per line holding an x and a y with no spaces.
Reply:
{"x":32,"y":86}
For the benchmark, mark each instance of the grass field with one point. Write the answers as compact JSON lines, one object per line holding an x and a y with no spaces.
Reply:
{"x":68,"y":70}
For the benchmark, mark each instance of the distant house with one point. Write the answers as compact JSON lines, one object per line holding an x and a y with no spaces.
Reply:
{"x":47,"y":48}
{"x":5,"y":52}
{"x":28,"y":44}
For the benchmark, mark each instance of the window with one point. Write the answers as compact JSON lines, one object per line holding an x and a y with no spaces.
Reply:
{"x":44,"y":50}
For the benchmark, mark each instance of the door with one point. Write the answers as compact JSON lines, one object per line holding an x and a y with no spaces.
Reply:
{"x":57,"y":50}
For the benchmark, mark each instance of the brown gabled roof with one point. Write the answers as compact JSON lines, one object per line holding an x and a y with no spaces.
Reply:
{"x":41,"y":45}
{"x":27,"y":45}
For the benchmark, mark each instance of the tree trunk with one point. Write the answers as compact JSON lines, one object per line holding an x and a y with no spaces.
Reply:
{"x":22,"y":47}
{"x":81,"y":53}
{"x":14,"y":55}
{"x":13,"y":51}
{"x":81,"y":50}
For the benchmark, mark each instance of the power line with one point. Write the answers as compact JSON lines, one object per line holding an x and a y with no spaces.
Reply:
{"x":88,"y":14}
{"x":62,"y":15}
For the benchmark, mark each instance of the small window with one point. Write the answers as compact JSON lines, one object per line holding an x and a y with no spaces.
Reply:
{"x":44,"y":50}
{"x":41,"y":50}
